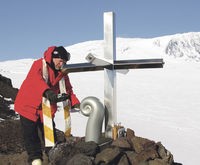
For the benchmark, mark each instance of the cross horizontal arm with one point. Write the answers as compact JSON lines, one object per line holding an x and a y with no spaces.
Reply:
{"x":121,"y":64}
{"x":138,"y":64}
{"x":85,"y":67}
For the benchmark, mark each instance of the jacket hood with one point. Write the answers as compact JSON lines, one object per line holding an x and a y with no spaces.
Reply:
{"x":48,"y":54}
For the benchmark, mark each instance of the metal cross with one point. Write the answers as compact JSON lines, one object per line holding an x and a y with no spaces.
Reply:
{"x":109,"y":64}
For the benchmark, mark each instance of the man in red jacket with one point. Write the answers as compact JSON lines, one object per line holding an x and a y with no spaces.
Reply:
{"x":29,"y":98}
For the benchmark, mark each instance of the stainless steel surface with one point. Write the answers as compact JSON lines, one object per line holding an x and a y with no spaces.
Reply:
{"x":92,"y":107}
{"x":118,"y":65}
{"x":96,"y":61}
{"x":109,"y":74}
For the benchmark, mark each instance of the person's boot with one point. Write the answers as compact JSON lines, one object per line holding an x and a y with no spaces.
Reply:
{"x":37,"y":162}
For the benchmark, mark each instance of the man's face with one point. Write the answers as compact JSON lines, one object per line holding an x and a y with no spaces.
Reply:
{"x":58,"y":62}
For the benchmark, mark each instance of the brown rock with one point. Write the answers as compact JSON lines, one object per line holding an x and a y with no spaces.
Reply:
{"x":145,"y":155}
{"x":88,"y":148}
{"x":139,"y":144}
{"x":80,"y":159}
{"x":121,"y":143}
{"x":131,"y":156}
{"x":164,"y":153}
{"x":123,"y":161}
{"x":107,"y":155}
{"x":130,"y":133}
{"x":11,"y":139}
{"x":158,"y":162}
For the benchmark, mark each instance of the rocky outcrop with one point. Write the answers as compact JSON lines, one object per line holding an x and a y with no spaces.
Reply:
{"x":7,"y":97}
{"x":185,"y":45}
{"x":127,"y":150}
{"x":6,"y":88}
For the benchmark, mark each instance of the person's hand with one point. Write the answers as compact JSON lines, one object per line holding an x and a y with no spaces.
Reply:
{"x":64,"y":71}
{"x":53,"y":97}
{"x":50,"y":95}
{"x":76,"y":106}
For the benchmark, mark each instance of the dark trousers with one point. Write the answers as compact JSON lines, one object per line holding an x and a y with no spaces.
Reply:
{"x":33,"y":137}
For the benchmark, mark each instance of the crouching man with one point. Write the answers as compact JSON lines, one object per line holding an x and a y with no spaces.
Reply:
{"x":42,"y":81}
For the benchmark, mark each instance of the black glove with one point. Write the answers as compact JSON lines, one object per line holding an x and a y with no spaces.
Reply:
{"x":54,"y":98}
{"x":62,"y":97}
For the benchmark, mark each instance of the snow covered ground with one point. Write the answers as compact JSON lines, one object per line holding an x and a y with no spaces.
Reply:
{"x":158,"y":104}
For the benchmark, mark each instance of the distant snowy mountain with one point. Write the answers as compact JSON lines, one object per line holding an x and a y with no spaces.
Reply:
{"x":184,"y":45}
{"x":180,"y":46}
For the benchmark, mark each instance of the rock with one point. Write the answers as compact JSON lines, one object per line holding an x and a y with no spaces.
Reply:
{"x":87,"y":148}
{"x":131,"y":155}
{"x":107,"y":156}
{"x":80,"y":159}
{"x":6,"y":80}
{"x":124,"y":160}
{"x":11,"y":137}
{"x":145,"y":155}
{"x":60,"y":153}
{"x":7,"y":97}
{"x":14,"y":159}
{"x":164,"y":153}
{"x":6,"y":88}
{"x":139,"y":144}
{"x":130,"y":133}
{"x":121,"y":143}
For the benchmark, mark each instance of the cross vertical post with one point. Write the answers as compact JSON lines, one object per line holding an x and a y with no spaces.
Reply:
{"x":109,"y":64}
{"x":109,"y":74}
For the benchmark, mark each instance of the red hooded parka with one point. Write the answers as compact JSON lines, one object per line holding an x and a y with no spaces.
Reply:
{"x":29,"y":98}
